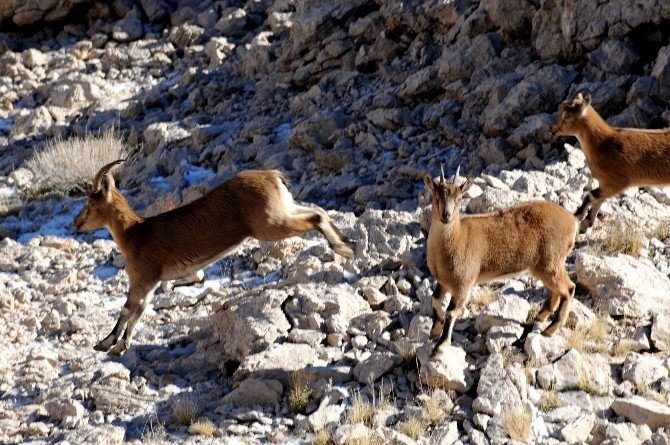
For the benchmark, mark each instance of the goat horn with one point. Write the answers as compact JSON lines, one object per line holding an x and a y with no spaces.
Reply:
{"x":103,"y":171}
{"x":458,"y":174}
{"x":441,"y":174}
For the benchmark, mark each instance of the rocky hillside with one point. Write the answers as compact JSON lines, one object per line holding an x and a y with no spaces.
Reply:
{"x":286,"y":342}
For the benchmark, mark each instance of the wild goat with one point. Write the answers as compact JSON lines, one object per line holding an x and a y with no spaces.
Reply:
{"x":617,"y":157}
{"x":535,"y":236}
{"x":173,"y":244}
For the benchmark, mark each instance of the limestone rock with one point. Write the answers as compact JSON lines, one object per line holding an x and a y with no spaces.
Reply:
{"x":255,"y":392}
{"x":622,"y":285}
{"x":643,"y":411}
{"x":447,"y":369}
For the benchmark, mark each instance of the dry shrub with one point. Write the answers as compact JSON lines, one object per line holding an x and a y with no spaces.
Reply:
{"x":201,"y":428}
{"x":413,"y":427}
{"x":591,"y":337}
{"x":436,"y":408}
{"x":623,"y":347}
{"x":185,"y":409}
{"x":549,"y":401}
{"x":484,"y":296}
{"x":300,"y":394}
{"x":323,"y":437}
{"x":622,"y":238}
{"x":361,"y":411}
{"x":69,"y":166}
{"x":662,"y":231}
{"x":517,"y":423}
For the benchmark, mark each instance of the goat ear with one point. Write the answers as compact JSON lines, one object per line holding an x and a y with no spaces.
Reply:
{"x":586,"y":100}
{"x":428,"y":180}
{"x":107,"y":185}
{"x":467,"y":184}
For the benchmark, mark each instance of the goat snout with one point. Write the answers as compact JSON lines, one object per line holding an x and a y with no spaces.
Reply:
{"x":446,"y":216}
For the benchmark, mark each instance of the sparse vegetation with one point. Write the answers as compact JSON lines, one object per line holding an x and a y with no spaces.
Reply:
{"x":549,"y":401}
{"x":436,"y":408}
{"x":413,"y":427}
{"x":623,"y":347}
{"x":67,"y":166}
{"x":591,"y":337}
{"x":662,"y":231}
{"x":407,"y":350}
{"x":185,"y":410}
{"x":9,"y":205}
{"x":300,"y":394}
{"x":583,"y":384}
{"x":484,"y":296}
{"x":361,"y":411}
{"x":201,"y":428}
{"x":155,"y":433}
{"x":517,"y":424}
{"x":622,"y":238}
{"x":323,"y":437}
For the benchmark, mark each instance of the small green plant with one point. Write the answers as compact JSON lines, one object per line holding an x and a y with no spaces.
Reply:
{"x":413,"y":427}
{"x":517,"y":423}
{"x":201,"y":428}
{"x":622,"y":238}
{"x":300,"y":394}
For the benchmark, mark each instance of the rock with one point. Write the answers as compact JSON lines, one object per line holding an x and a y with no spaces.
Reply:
{"x":660,"y":332}
{"x":156,"y":10}
{"x":577,"y":371}
{"x":33,"y":58}
{"x":356,"y":433}
{"x":642,"y":411}
{"x":541,"y":349}
{"x":447,"y":369}
{"x":319,"y":131}
{"x":373,"y":295}
{"x":578,"y":431}
{"x":278,"y":362}
{"x":186,"y":35}
{"x":622,"y":285}
{"x":506,"y":309}
{"x":500,"y":337}
{"x":255,"y":392}
{"x":643,"y":370}
{"x":379,"y":363}
{"x":500,"y":389}
{"x":127,"y":30}
{"x":232,"y":21}
{"x":251,"y":322}
{"x":217,"y":49}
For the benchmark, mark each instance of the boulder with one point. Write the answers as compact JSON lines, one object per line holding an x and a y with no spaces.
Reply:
{"x":579,"y":430}
{"x":447,"y":369}
{"x":279,"y":362}
{"x":500,"y":389}
{"x":575,"y":370}
{"x":623,"y":285}
{"x":370,"y":369}
{"x":643,"y":370}
{"x":255,"y":392}
{"x":660,"y":332}
{"x":642,"y":411}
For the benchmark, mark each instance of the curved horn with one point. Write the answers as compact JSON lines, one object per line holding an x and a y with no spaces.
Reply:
{"x":103,"y":171}
{"x":441,"y":174}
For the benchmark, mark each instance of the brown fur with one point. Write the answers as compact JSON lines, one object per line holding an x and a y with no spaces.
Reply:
{"x":178,"y":242}
{"x":535,"y":237}
{"x":618,"y":157}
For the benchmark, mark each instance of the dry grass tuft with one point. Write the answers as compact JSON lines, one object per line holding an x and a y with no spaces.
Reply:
{"x":413,"y":427}
{"x":662,"y":231}
{"x":591,"y":337}
{"x":436,"y":408}
{"x":623,"y":347}
{"x":407,"y":350}
{"x":10,"y":205}
{"x":484,"y":297}
{"x":517,"y":424}
{"x":300,"y":394}
{"x":361,"y":411}
{"x":155,"y":434}
{"x":621,"y":238}
{"x":323,"y":437}
{"x":68,"y":166}
{"x":549,"y":401}
{"x":185,"y":410}
{"x":201,"y":428}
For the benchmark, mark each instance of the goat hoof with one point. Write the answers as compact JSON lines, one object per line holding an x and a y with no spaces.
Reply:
{"x":584,"y":226}
{"x":118,"y":349}
{"x":346,"y":250}
{"x":102,"y":346}
{"x":550,"y":331}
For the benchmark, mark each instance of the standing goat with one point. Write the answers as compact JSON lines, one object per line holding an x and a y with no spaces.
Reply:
{"x":617,"y":157}
{"x":173,"y":244}
{"x":535,"y":236}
